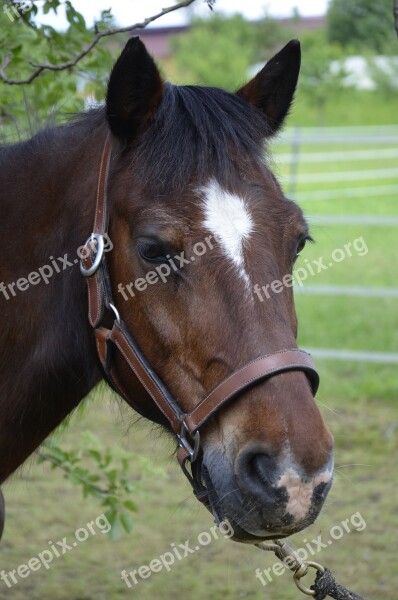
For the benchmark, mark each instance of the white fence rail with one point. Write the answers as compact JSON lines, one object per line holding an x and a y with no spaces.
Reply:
{"x":308,"y":147}
{"x":373,"y":142}
{"x":370,"y":191}
{"x":387,"y":221}
{"x":332,"y":157}
{"x":335,"y":135}
{"x":387,"y":358}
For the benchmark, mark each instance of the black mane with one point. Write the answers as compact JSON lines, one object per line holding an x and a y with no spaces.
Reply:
{"x":197,"y":132}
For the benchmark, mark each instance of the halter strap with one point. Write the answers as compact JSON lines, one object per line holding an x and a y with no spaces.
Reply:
{"x":256,"y":370}
{"x":186,"y":426}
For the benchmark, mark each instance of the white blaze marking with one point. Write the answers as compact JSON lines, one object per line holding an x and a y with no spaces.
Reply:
{"x":228,"y":218}
{"x":300,"y":492}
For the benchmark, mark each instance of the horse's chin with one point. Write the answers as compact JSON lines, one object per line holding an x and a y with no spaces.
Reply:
{"x":244,"y":537}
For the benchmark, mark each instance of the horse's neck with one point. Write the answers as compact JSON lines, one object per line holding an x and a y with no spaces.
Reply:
{"x":47,"y":353}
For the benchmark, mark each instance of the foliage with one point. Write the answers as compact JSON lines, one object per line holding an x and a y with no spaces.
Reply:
{"x":24,"y":41}
{"x":217,"y":51}
{"x":362,"y":24}
{"x":270,"y":36}
{"x":53,"y":64}
{"x":103,"y":474}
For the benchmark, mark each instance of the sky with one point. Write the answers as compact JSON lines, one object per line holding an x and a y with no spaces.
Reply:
{"x":128,"y":12}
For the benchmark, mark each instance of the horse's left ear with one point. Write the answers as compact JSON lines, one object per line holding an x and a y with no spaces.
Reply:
{"x":272,"y":89}
{"x":134,"y":91}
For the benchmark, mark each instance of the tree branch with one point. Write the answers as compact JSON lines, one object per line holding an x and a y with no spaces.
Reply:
{"x":396,"y":15}
{"x":57,"y":463}
{"x":28,"y":23}
{"x":41,"y":67}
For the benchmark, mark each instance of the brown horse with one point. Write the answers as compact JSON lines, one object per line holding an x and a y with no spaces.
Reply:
{"x":186,"y":178}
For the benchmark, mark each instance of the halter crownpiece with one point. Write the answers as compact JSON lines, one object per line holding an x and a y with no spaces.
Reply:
{"x":186,"y":426}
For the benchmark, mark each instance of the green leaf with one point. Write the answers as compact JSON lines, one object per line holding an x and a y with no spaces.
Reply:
{"x":130,"y":505}
{"x":74,"y":18}
{"x":51,"y":5}
{"x":115,"y":531}
{"x":95,"y":454}
{"x":127,"y":522}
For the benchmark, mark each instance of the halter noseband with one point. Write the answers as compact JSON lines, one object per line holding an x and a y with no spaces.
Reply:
{"x":186,"y":426}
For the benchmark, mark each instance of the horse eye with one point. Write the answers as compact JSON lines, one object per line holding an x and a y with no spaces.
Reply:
{"x":152,"y":251}
{"x":301,"y":245}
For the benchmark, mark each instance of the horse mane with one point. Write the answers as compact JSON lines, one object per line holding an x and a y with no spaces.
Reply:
{"x":196,"y":133}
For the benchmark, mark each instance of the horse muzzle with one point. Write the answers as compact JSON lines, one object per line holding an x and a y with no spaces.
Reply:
{"x":263,"y":497}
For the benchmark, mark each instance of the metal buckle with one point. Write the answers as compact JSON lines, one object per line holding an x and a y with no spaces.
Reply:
{"x":94,"y":237}
{"x":184,"y":443}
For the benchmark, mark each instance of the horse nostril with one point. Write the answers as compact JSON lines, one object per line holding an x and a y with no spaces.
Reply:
{"x":256,"y":472}
{"x":262,"y":466}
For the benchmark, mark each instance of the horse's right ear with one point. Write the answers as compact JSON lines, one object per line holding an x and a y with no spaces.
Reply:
{"x":134,"y":91}
{"x":272,"y":89}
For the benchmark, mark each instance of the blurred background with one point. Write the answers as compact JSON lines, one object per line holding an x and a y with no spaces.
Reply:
{"x":338,"y":158}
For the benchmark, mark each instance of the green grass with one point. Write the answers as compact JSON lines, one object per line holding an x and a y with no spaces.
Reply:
{"x":350,"y":328}
{"x":42,"y":507}
{"x":376,"y":205}
{"x":347,"y":108}
{"x":376,"y":268}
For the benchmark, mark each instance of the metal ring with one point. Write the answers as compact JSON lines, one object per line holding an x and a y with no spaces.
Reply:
{"x":299,"y":574}
{"x":99,"y":238}
{"x":184,"y":443}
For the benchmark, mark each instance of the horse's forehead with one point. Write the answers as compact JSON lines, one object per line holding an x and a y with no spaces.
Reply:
{"x":227,"y":216}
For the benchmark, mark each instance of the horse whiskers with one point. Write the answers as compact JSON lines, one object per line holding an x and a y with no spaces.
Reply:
{"x":332,"y":410}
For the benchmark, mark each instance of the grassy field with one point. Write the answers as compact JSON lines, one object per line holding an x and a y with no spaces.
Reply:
{"x":42,"y":507}
{"x":348,"y":107}
{"x":358,"y":401}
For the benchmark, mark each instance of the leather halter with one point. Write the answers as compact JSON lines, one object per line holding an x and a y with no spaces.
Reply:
{"x":186,"y":426}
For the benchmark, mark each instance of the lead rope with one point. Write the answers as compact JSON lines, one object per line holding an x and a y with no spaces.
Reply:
{"x":325,"y":583}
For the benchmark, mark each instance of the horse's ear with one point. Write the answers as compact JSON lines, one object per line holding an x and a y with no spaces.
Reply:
{"x":134,"y":91}
{"x":272,"y":89}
